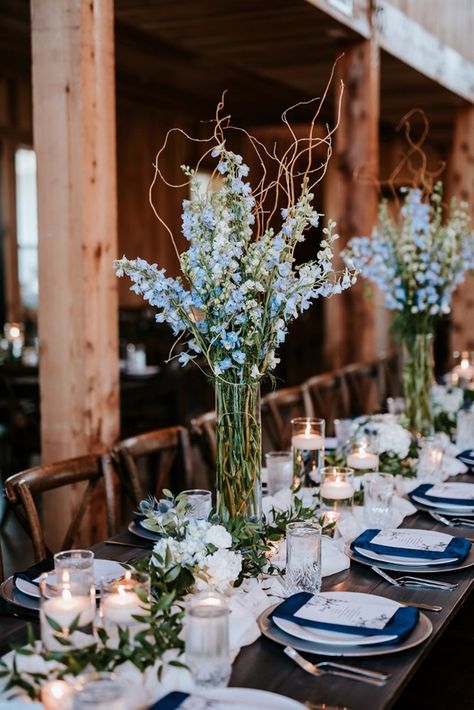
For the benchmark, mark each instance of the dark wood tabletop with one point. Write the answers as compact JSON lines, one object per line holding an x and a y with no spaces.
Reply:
{"x":264,"y":665}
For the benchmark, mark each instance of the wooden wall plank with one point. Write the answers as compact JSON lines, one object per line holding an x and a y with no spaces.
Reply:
{"x":351,"y":197}
{"x":74,"y":130}
{"x":461,"y":185}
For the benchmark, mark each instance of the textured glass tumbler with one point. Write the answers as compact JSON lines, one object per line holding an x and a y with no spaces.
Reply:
{"x":207,"y":640}
{"x":199,"y":502}
{"x":279,"y":471}
{"x":378,"y":494}
{"x":303,"y":558}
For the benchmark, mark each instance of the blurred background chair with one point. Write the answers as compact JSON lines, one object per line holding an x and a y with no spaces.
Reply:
{"x":326,"y":396}
{"x":362,"y":387}
{"x":23,"y":490}
{"x":278,"y":409}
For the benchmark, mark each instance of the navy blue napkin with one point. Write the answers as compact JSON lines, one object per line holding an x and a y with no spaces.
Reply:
{"x":422,"y":492}
{"x":467,"y":457}
{"x":34,"y":571}
{"x":458,"y":548}
{"x":401,"y":624}
{"x":170,"y":702}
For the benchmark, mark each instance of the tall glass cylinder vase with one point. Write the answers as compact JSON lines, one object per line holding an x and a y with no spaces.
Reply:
{"x":239,"y":449}
{"x":418,"y":378}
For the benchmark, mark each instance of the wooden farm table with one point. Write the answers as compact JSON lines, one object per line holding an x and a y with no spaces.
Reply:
{"x":263,"y":664}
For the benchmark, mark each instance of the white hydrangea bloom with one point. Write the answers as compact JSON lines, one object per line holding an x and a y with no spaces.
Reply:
{"x":218,"y":536}
{"x":446,"y":399}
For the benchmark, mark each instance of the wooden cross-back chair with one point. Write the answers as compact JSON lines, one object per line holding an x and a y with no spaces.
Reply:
{"x":326,"y":396}
{"x":362,"y":383}
{"x":203,"y":429}
{"x":389,"y":376}
{"x":163,"y":450}
{"x":23,"y":488}
{"x":278,"y":409}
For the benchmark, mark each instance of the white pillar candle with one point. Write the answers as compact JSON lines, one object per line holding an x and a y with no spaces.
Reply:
{"x":336,"y":490}
{"x":121,"y":607}
{"x":65,"y":609}
{"x":307,"y":442}
{"x":363,"y":460}
{"x":57,"y":695}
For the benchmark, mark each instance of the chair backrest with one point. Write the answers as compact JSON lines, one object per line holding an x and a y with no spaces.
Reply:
{"x":22,"y":489}
{"x":278,"y":409}
{"x":326,"y":396}
{"x":390,"y":380}
{"x":163,"y":448}
{"x":363,"y":387}
{"x":2,"y":568}
{"x":204,"y":427}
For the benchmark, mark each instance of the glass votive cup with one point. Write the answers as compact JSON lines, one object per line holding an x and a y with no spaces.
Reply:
{"x":362,"y":460}
{"x":77,"y":564}
{"x":430,"y":461}
{"x":121,"y":600}
{"x":67,"y":610}
{"x":57,"y":695}
{"x":307,"y":445}
{"x":198,"y":502}
{"x":100,"y":691}
{"x":465,"y":430}
{"x":279,"y":471}
{"x":343,"y":429}
{"x":303,"y":558}
{"x":206,"y":639}
{"x":337,"y":489}
{"x":378,"y":494}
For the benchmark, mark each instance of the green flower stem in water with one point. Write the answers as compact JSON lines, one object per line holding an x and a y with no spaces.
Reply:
{"x":239,"y":449}
{"x":417,"y":382}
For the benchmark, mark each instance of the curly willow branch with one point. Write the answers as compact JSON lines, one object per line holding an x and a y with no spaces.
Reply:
{"x":288,"y":174}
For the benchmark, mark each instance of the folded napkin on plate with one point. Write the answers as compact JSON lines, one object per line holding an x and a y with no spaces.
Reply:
{"x":191,"y":702}
{"x":457,"y":548}
{"x":467,"y":457}
{"x":400,"y":624}
{"x":170,"y":701}
{"x":33,"y":572}
{"x":423,"y":491}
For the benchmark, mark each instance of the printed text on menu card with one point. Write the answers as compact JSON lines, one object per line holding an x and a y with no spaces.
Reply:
{"x":345,"y":612}
{"x":426,"y":540}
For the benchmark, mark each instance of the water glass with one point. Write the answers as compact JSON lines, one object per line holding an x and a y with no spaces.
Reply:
{"x":206,"y":639}
{"x":279,"y":471}
{"x":76,"y":564}
{"x":378,"y":494}
{"x":199,"y":502}
{"x":344,"y":430}
{"x":307,"y":444}
{"x":430,"y":461}
{"x":303,"y":558}
{"x":136,"y":357}
{"x":67,"y":611}
{"x":465,"y":430}
{"x":337,"y":489}
{"x":100,"y":691}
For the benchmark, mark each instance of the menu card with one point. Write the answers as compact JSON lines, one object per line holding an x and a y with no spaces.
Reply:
{"x":333,"y":610}
{"x":423,"y":540}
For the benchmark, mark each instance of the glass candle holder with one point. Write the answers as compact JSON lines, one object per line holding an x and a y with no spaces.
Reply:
{"x":136,"y":357}
{"x":464,"y":369}
{"x":331,"y":517}
{"x":76,"y":563}
{"x":199,"y":502}
{"x":307,"y":444}
{"x":123,"y":599}
{"x":57,"y":695}
{"x":465,"y":430}
{"x":303,"y":558}
{"x":67,"y":610}
{"x":343,"y":429}
{"x":206,"y":632}
{"x":100,"y":691}
{"x":337,"y":489}
{"x":378,"y":494}
{"x":279,"y":471}
{"x":430,"y":461}
{"x":362,"y":460}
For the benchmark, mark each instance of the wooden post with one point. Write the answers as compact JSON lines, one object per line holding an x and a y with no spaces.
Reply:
{"x":351,"y":196}
{"x":461,"y":185}
{"x":74,"y":138}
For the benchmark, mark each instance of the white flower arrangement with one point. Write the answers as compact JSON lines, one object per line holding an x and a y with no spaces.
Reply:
{"x":387,"y":435}
{"x":446,"y":399}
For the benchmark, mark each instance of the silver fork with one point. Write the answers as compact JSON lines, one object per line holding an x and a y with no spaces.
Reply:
{"x":455,"y":522}
{"x":408,"y":581}
{"x":340,"y":669}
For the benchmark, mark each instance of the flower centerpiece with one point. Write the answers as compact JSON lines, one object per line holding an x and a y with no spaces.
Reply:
{"x":417,"y":259}
{"x":391,"y":441}
{"x":240,"y":288}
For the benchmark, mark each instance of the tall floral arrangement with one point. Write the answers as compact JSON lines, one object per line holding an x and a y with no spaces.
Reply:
{"x":417,"y":258}
{"x":240,"y":289}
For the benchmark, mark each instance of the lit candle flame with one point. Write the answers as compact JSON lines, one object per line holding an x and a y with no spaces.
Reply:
{"x":307,"y":431}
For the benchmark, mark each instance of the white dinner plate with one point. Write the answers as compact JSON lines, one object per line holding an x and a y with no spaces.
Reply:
{"x":102,"y":568}
{"x":443,"y":511}
{"x":338,"y":638}
{"x":249,"y":698}
{"x":415,"y":561}
{"x":444,"y":506}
